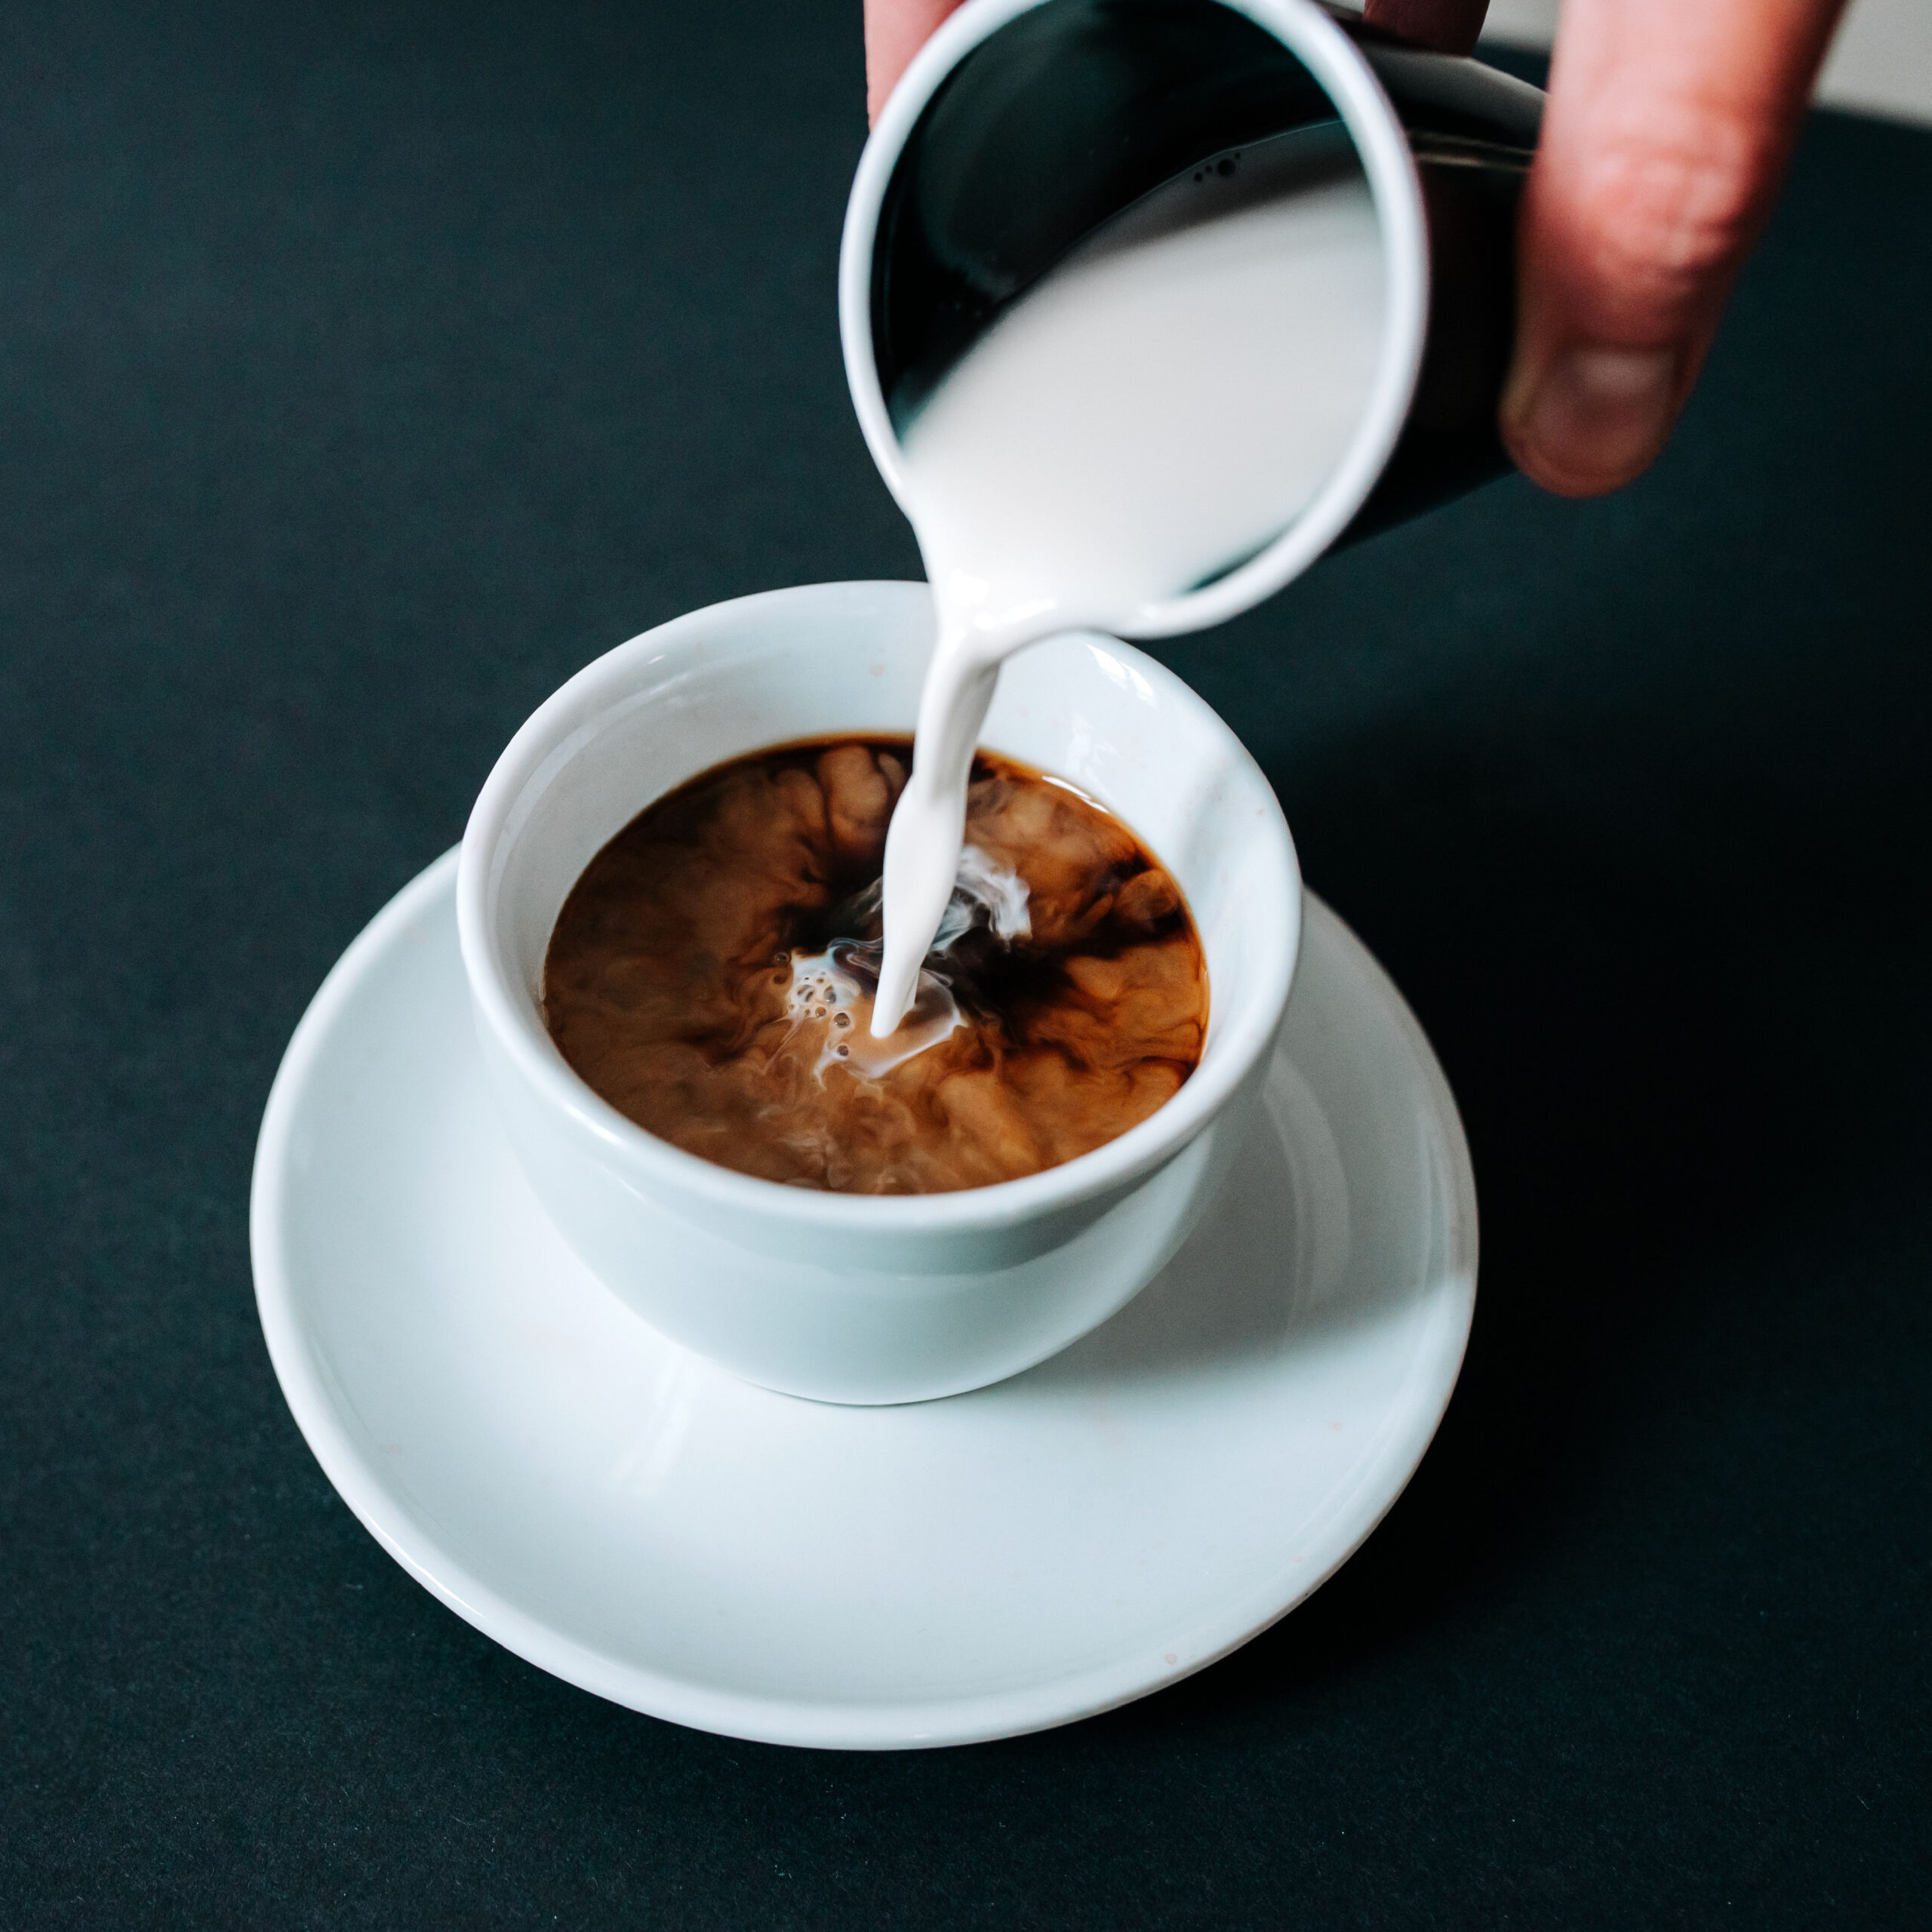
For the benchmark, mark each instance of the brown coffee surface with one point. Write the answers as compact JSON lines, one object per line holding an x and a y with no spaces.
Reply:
{"x":685,"y":981}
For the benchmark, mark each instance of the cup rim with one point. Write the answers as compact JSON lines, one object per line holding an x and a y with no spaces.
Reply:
{"x":502,"y":1005}
{"x":1346,"y":77}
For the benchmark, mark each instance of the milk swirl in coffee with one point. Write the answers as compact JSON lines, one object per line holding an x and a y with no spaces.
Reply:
{"x":1164,"y":404}
{"x":711,"y":976}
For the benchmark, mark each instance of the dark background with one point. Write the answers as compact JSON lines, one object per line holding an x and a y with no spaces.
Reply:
{"x":364,"y":370}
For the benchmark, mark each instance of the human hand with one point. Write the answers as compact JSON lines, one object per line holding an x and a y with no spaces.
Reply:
{"x":1669,"y":125}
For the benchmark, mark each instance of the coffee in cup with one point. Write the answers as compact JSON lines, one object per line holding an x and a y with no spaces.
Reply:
{"x":711,"y":975}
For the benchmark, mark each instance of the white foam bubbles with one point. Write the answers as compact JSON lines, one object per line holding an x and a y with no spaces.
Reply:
{"x":836,"y":988}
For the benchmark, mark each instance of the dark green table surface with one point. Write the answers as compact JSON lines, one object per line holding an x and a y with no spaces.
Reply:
{"x":365,"y":370}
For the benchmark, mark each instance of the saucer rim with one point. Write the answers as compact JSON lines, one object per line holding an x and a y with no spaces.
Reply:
{"x":888,"y":1724}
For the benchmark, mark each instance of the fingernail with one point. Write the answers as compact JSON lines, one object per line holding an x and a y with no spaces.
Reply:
{"x":1597,"y":417}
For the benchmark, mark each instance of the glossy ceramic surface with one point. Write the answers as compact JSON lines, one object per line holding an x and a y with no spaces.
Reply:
{"x":1347,"y":78}
{"x":624,"y":1514}
{"x":857,"y":1298}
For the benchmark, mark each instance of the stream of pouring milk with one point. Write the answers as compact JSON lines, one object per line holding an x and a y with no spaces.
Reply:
{"x":1161,"y":406}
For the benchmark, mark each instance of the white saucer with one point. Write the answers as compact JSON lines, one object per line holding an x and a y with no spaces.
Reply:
{"x":619,"y":1513}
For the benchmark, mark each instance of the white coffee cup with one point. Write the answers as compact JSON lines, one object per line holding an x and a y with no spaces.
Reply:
{"x":855,"y":1298}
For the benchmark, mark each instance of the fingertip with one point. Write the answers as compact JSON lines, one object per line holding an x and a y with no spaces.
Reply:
{"x":1589,"y":417}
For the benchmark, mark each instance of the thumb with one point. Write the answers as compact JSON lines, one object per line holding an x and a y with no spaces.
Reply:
{"x":1450,"y":26}
{"x":895,"y":31}
{"x":1667,"y":129}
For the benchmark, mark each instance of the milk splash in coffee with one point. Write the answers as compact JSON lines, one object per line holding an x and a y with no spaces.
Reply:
{"x":1157,"y":410}
{"x":710,"y":976}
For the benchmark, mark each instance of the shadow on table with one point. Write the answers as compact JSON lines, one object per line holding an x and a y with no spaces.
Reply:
{"x":1650,"y":1078}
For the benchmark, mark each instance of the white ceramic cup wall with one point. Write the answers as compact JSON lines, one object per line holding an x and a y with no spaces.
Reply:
{"x":853,"y":1298}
